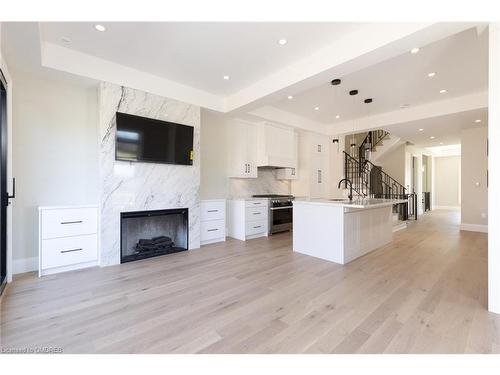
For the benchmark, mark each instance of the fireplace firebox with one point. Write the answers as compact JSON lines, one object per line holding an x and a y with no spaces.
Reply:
{"x":146,"y":234}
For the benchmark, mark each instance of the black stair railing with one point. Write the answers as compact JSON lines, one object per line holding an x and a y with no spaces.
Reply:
{"x":372,"y":139}
{"x":369,"y":180}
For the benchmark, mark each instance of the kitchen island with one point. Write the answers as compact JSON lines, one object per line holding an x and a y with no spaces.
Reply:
{"x":341,"y":230}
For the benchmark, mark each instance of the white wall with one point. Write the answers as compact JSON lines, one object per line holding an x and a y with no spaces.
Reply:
{"x":447,"y":181}
{"x":214,"y":158}
{"x":54,"y":155}
{"x":474,"y":209}
{"x":393,"y":163}
{"x":494,"y":169}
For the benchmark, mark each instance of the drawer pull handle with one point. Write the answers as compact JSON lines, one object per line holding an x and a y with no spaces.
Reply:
{"x":72,"y":222}
{"x":256,"y":203}
{"x":257,"y":213}
{"x":258,"y":226}
{"x":213,"y":211}
{"x":70,"y":251}
{"x":212,"y":230}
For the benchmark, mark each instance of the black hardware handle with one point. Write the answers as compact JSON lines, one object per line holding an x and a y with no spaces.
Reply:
{"x":258,"y":226}
{"x":212,"y":230}
{"x":213,"y":211}
{"x":70,"y":251}
{"x":13,"y":195}
{"x":72,"y":222}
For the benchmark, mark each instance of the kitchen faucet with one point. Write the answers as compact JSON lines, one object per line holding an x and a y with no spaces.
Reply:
{"x":350,"y":186}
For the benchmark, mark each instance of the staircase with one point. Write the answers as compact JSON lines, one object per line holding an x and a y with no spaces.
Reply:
{"x":370,"y":181}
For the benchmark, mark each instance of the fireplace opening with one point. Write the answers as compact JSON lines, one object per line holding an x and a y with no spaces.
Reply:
{"x":146,"y":234}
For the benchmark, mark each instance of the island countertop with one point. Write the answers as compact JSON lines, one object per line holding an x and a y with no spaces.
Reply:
{"x":355,"y":203}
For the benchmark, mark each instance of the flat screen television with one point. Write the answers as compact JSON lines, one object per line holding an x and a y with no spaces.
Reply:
{"x":142,"y":139}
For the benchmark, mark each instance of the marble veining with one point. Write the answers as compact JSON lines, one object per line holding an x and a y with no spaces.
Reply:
{"x":126,"y":186}
{"x":265,"y":183}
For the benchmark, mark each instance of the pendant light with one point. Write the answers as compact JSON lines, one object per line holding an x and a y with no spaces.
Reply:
{"x":353,"y":93}
{"x":336,"y":82}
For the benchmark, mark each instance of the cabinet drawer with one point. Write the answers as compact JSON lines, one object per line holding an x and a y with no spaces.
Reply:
{"x":255,"y":227}
{"x":68,"y":222}
{"x":256,"y":203}
{"x":213,"y":210}
{"x":255,"y":213}
{"x":66,"y":251}
{"x":213,"y":229}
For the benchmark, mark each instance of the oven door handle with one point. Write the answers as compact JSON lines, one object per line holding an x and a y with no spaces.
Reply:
{"x":280,"y":208}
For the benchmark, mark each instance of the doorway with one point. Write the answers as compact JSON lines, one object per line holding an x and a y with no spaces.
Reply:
{"x":3,"y":182}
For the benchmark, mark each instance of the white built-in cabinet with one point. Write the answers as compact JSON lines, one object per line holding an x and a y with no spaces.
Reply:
{"x":265,"y":144}
{"x":248,"y":218}
{"x":292,"y":172}
{"x":314,"y":166}
{"x":213,"y":221}
{"x":242,"y":149}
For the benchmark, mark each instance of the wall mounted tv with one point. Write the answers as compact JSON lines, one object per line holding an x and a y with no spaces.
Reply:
{"x":143,"y":139}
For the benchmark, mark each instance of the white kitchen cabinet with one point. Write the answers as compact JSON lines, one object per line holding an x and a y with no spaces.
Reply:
{"x":276,"y":146}
{"x":213,"y":221}
{"x":291,"y":173}
{"x":248,"y":218}
{"x":313,"y":179}
{"x":68,"y":238}
{"x":242,"y":149}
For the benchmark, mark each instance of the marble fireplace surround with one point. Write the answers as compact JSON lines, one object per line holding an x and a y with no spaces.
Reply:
{"x":126,"y":186}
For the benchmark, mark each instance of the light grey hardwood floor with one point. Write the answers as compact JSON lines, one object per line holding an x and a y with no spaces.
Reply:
{"x":423,"y":293}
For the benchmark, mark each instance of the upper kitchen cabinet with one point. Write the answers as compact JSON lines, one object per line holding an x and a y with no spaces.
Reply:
{"x":242,"y":149}
{"x":314,"y":166}
{"x":291,"y":173}
{"x":276,"y":146}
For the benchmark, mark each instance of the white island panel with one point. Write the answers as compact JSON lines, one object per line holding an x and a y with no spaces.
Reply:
{"x":341,"y":231}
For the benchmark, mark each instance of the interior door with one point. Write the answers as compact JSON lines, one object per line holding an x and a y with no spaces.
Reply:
{"x":3,"y":183}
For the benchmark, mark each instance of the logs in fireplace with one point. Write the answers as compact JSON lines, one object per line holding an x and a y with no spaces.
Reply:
{"x":155,"y":244}
{"x":146,"y":234}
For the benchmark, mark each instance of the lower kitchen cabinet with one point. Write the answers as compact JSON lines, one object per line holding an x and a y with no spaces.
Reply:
{"x":248,"y":218}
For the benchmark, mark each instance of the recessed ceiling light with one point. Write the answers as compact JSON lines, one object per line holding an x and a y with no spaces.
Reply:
{"x":431,"y":74}
{"x":420,"y":130}
{"x":282,"y":42}
{"x":290,"y":97}
{"x":100,"y":27}
{"x":316,"y":108}
{"x":477,"y":121}
{"x":415,"y":50}
{"x":226,"y":77}
{"x":65,"y":39}
{"x":432,"y":137}
{"x":441,"y":143}
{"x":338,"y":116}
{"x":443,"y":91}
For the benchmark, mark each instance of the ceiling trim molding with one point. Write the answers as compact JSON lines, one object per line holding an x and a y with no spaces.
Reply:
{"x":433,"y":109}
{"x":78,"y":63}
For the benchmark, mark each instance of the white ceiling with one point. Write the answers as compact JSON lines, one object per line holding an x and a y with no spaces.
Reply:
{"x":445,"y":129}
{"x":460,"y":63}
{"x":199,"y":54}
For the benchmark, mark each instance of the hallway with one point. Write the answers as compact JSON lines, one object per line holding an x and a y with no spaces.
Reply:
{"x":423,"y":293}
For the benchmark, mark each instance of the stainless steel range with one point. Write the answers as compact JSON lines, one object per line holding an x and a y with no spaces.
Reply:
{"x":280,"y":212}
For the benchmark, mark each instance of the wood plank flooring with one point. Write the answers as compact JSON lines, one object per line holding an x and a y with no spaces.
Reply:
{"x":423,"y":293}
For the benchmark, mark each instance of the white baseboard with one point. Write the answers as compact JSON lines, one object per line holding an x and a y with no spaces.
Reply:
{"x":474,"y":227}
{"x":24,"y":265}
{"x":446,"y":207}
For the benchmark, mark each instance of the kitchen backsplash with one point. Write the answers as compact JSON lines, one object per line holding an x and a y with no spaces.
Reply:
{"x":265,"y":183}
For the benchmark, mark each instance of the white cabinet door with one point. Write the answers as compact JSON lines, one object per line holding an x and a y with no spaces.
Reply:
{"x":242,"y":140}
{"x":251,"y":150}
